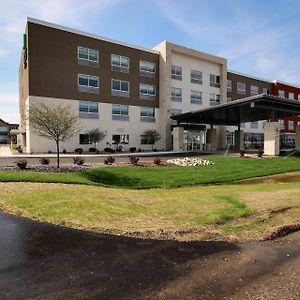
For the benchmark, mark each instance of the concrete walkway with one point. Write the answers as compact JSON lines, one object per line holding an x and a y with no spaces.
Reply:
{"x":5,"y":151}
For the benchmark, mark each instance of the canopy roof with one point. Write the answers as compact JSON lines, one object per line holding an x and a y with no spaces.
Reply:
{"x":250,"y":109}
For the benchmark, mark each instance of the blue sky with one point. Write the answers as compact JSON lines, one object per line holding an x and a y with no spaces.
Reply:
{"x":258,"y":37}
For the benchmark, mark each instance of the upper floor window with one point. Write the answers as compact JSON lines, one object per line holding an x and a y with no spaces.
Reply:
{"x":229,"y":85}
{"x":281,"y":93}
{"x":88,"y":107}
{"x":88,"y":54}
{"x":266,"y":91}
{"x":147,"y":89}
{"x":281,"y":124}
{"x":120,"y":63}
{"x":241,"y":88}
{"x":292,"y":96}
{"x":298,"y":96}
{"x":146,"y":66}
{"x":176,"y":94}
{"x":196,"y":97}
{"x":120,"y":88}
{"x":175,"y":111}
{"x":147,"y":114}
{"x":196,"y":76}
{"x":88,"y":81}
{"x":254,"y":90}
{"x":214,"y":99}
{"x":254,"y":124}
{"x":291,"y":125}
{"x":176,"y":72}
{"x":120,"y":112}
{"x":214,"y":80}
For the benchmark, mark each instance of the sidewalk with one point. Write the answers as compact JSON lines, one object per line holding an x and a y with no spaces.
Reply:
{"x":5,"y":151}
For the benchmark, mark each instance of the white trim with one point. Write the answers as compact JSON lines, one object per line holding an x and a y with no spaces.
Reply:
{"x":94,"y":36}
{"x":249,"y":76}
{"x":152,"y":85}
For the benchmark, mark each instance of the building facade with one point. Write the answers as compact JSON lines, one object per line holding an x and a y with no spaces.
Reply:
{"x":124,"y":90}
{"x":5,"y":128}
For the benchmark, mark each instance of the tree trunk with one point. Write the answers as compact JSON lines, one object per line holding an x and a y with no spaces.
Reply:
{"x":57,"y":153}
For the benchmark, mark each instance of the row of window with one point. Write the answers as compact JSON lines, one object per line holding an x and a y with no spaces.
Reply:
{"x":195,"y":96}
{"x":121,"y":86}
{"x":117,"y":109}
{"x":195,"y":76}
{"x":241,"y":88}
{"x":118,"y":62}
{"x":291,"y":124}
{"x":292,"y":96}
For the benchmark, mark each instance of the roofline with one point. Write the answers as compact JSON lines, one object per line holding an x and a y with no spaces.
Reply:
{"x":249,"y":76}
{"x":286,"y":83}
{"x":90,"y":35}
{"x":4,"y":121}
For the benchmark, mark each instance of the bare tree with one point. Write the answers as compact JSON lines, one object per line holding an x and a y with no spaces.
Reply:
{"x":95,"y":136}
{"x":152,"y":136}
{"x":56,"y":123}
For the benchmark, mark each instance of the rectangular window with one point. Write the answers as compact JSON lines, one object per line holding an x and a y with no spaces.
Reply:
{"x":84,"y":139}
{"x":254,"y":90}
{"x":214,"y":99}
{"x":146,"y":66}
{"x":176,"y":72}
{"x":196,"y":97}
{"x":254,"y":124}
{"x":243,"y":125}
{"x":147,"y":140}
{"x":176,"y":94}
{"x":120,"y":88}
{"x":147,"y":89}
{"x":292,"y":96}
{"x":120,"y":63}
{"x":196,"y":76}
{"x":88,"y":107}
{"x":3,"y":129}
{"x":281,"y":124}
{"x":175,"y":111}
{"x":88,"y":81}
{"x":120,"y":112}
{"x":299,"y":97}
{"x":88,"y":54}
{"x":229,"y":85}
{"x":120,"y":139}
{"x":281,"y":93}
{"x":266,"y":91}
{"x":214,"y":80}
{"x":241,"y":88}
{"x":291,"y":125}
{"x":147,"y":114}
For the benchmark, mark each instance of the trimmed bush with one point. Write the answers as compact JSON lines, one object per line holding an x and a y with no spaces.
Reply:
{"x":78,"y":150}
{"x":260,"y":153}
{"x":78,"y":161}
{"x":65,"y":151}
{"x":92,"y":149}
{"x":44,"y":160}
{"x":132,"y":149}
{"x":134,"y":159}
{"x":22,"y":164}
{"x":157,"y":161}
{"x":109,"y":150}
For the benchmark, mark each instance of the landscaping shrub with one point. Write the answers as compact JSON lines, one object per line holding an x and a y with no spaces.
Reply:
{"x":109,"y":150}
{"x":260,"y":152}
{"x":134,"y":159}
{"x":242,"y":152}
{"x":49,"y":152}
{"x":92,"y":149}
{"x":79,"y":150}
{"x":78,"y":161}
{"x":157,"y":161}
{"x":110,"y":159}
{"x":98,"y":151}
{"x":65,"y":151}
{"x":44,"y":160}
{"x":154,"y":150}
{"x":139,"y":150}
{"x":22,"y":164}
{"x":132,"y":149}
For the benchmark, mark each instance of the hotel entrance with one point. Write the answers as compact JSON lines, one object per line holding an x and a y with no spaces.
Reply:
{"x":194,"y":140}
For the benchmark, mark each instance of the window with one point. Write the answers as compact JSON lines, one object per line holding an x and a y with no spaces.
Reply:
{"x":281,"y":93}
{"x":214,"y":80}
{"x":88,"y":81}
{"x":88,"y":107}
{"x":147,"y":114}
{"x":243,"y":125}
{"x":120,"y":139}
{"x":176,"y":94}
{"x":196,"y":76}
{"x":84,"y":139}
{"x":147,"y":66}
{"x":88,"y":54}
{"x":291,"y":96}
{"x":176,"y":72}
{"x":266,"y":91}
{"x":3,"y":129}
{"x":241,"y":88}
{"x":147,"y":140}
{"x":299,"y":97}
{"x":120,"y":63}
{"x":120,"y":88}
{"x":291,"y":125}
{"x":254,"y":124}
{"x":281,"y":124}
{"x":147,"y":89}
{"x":214,"y":99}
{"x":298,"y":123}
{"x":254,"y":90}
{"x":229,"y":85}
{"x":120,"y":112}
{"x":196,"y":97}
{"x":175,"y":111}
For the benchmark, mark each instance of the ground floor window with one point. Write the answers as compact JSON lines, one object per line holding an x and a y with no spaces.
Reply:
{"x":287,"y":141}
{"x":147,"y":140}
{"x":3,"y":139}
{"x":254,"y":140}
{"x":120,"y":139}
{"x":84,"y":139}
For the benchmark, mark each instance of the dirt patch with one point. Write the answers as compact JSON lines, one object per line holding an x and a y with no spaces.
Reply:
{"x":283,"y":231}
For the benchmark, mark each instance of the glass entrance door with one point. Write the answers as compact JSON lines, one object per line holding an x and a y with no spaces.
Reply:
{"x":193,"y":140}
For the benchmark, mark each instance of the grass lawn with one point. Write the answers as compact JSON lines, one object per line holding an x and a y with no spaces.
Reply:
{"x":233,"y":212}
{"x":225,"y":169}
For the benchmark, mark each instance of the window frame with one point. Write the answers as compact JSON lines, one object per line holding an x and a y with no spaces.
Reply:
{"x":88,"y":59}
{"x":147,"y":94}
{"x":175,"y":75}
{"x":216,"y":80}
{"x":240,"y":91}
{"x":195,"y":100}
{"x":196,"y":80}
{"x":88,"y":76}
{"x":120,"y":64}
{"x":147,"y":62}
{"x":256,"y":90}
{"x":120,"y":80}
{"x":175,"y":97}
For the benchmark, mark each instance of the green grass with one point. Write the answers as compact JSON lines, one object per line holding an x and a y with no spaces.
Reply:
{"x":225,"y":169}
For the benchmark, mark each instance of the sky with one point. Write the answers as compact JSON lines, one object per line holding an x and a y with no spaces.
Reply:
{"x":258,"y":37}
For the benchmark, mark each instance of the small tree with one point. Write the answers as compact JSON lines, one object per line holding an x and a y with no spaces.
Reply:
{"x":95,"y":136}
{"x":55,"y":123}
{"x":152,"y":136}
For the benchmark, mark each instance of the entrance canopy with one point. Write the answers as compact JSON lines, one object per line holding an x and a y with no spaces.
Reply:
{"x":250,"y":109}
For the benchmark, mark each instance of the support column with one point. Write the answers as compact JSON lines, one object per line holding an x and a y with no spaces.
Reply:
{"x":178,"y":136}
{"x":297,"y":138}
{"x":272,"y":139}
{"x":211,"y":139}
{"x":238,"y":139}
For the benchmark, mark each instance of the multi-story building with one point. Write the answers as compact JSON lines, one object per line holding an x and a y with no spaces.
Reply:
{"x":124,"y":89}
{"x":5,"y":128}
